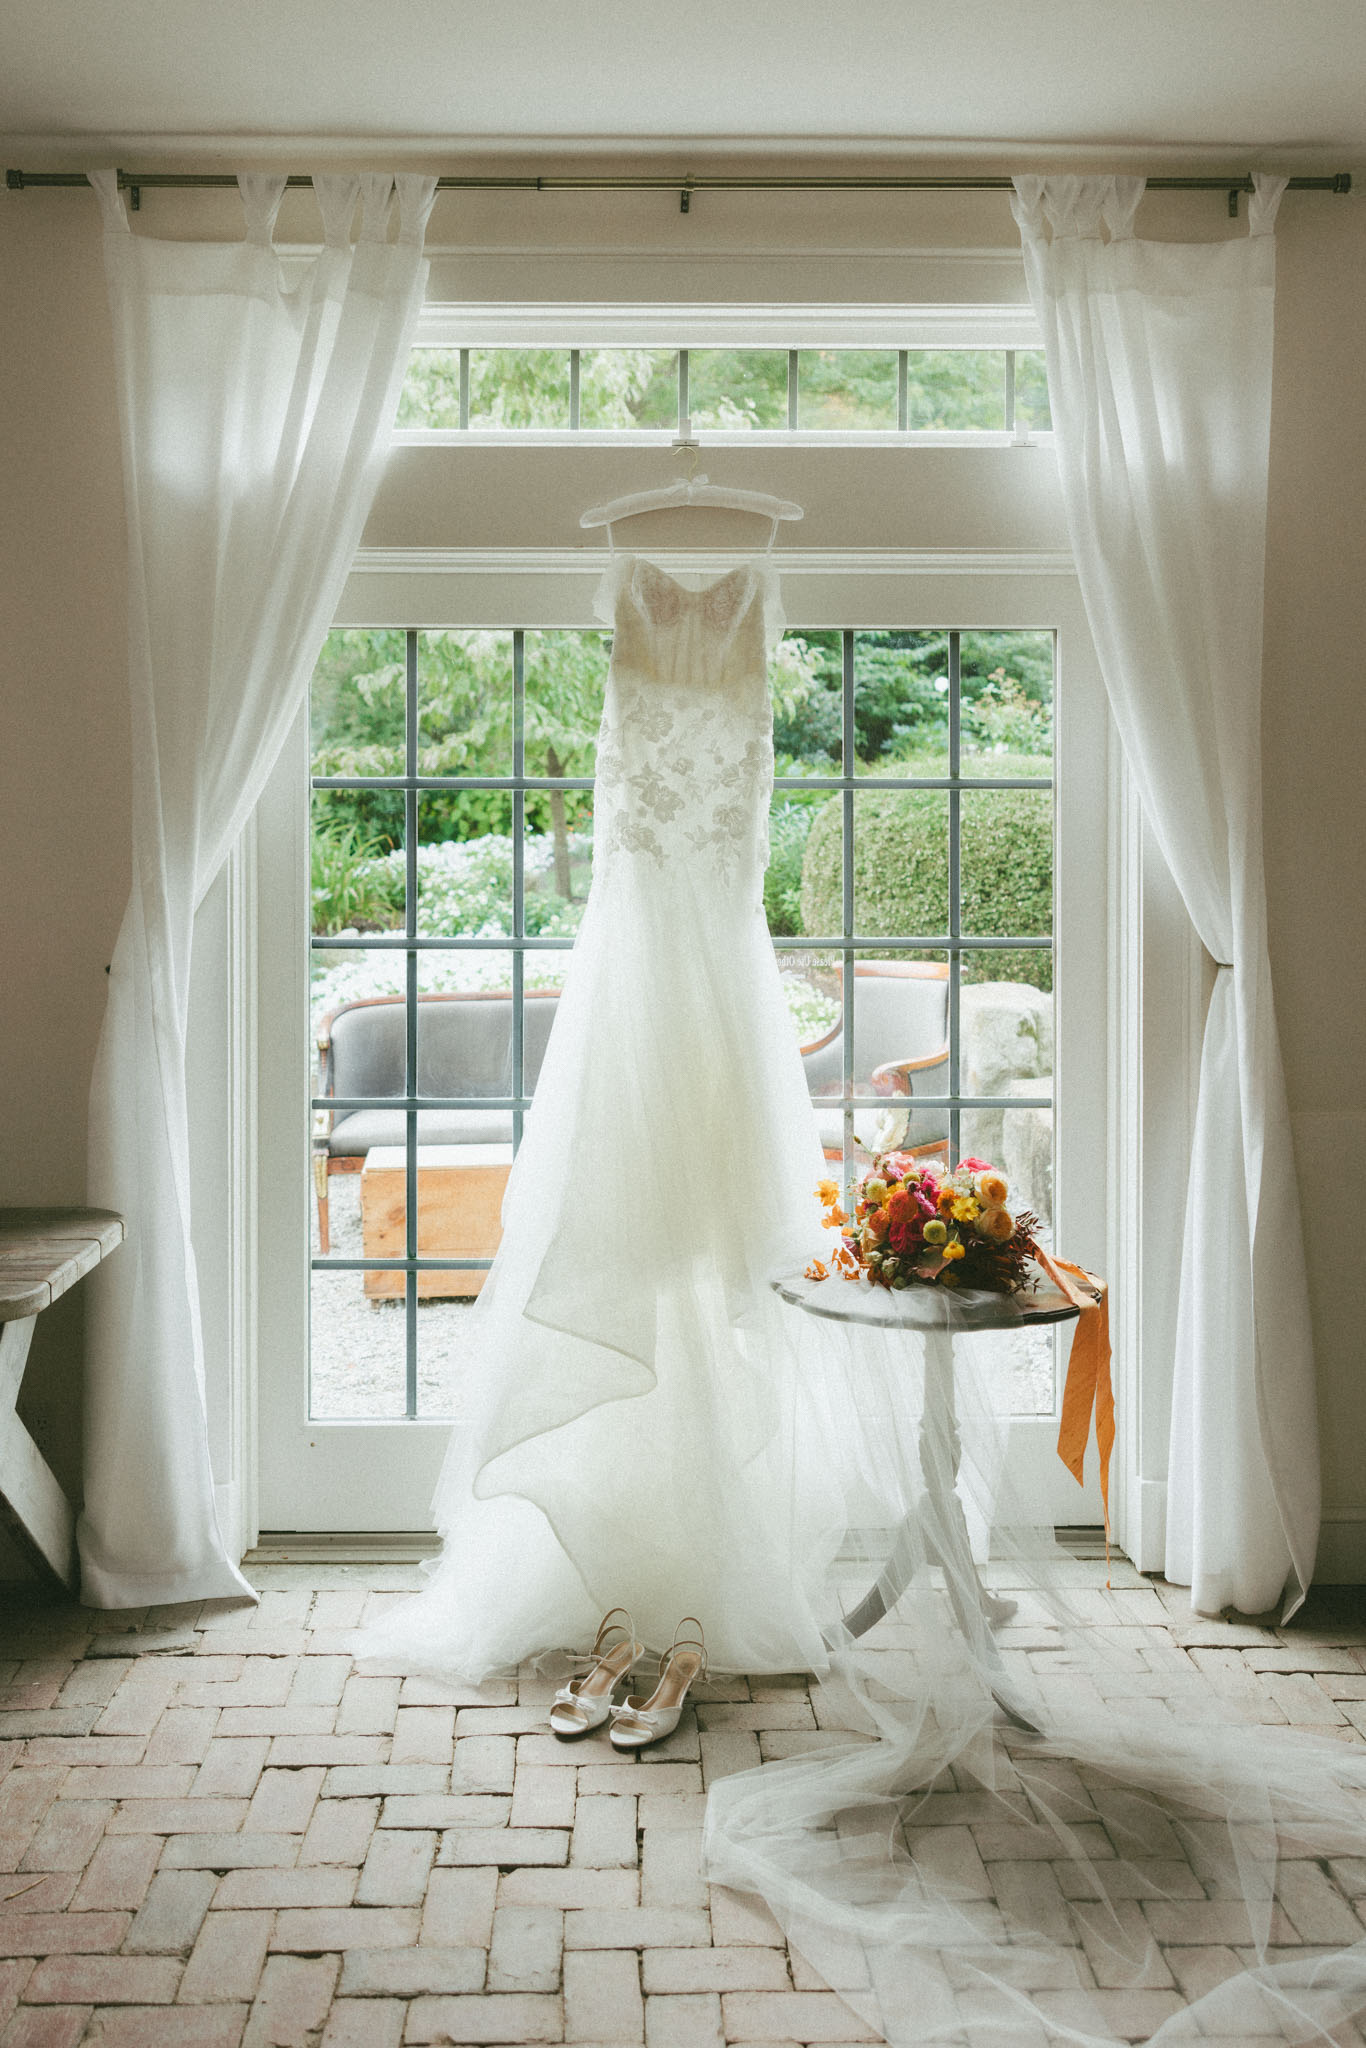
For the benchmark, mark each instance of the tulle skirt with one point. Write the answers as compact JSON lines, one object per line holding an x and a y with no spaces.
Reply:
{"x":647,"y":1424}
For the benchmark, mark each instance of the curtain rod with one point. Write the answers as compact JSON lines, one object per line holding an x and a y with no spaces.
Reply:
{"x":136,"y":182}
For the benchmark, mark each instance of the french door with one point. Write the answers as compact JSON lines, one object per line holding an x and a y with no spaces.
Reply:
{"x":937,"y":898}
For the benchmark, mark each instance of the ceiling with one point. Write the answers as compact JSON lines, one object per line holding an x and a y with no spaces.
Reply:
{"x":1149,"y":82}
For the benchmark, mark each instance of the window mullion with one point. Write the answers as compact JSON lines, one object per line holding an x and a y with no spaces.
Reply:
{"x":955,"y":890}
{"x":410,"y":831}
{"x":519,"y":875}
{"x":847,"y":893}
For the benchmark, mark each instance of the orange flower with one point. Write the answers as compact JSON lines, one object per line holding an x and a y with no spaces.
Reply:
{"x":834,"y":1219}
{"x":827,"y":1193}
{"x":816,"y":1271}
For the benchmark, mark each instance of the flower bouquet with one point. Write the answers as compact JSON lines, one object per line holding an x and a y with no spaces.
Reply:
{"x":914,"y":1226}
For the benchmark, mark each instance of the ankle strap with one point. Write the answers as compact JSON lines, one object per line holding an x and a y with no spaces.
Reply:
{"x":682,"y":1642}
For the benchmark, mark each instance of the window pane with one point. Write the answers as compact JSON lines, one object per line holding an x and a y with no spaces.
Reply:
{"x":737,"y":387}
{"x":1007,"y":868}
{"x":566,"y":674}
{"x":519,"y":387}
{"x":464,"y":863}
{"x":1031,"y":390}
{"x":356,"y":862}
{"x":901,"y":703}
{"x":356,"y":701}
{"x":901,"y":1043}
{"x":901,"y":863}
{"x":431,"y":389}
{"x":357,"y":1352}
{"x":819,"y":894}
{"x":812,"y":985}
{"x":846,"y":388}
{"x":443,"y":1347}
{"x":1007,"y":683}
{"x":557,"y":870}
{"x":806,"y":681}
{"x":955,"y":387}
{"x":464,"y":704}
{"x":628,"y":387}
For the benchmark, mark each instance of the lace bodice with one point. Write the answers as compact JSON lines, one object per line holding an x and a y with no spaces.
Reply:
{"x":685,"y":750}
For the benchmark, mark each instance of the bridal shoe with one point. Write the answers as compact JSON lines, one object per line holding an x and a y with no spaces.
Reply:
{"x":640,"y":1721}
{"x":585,"y":1702}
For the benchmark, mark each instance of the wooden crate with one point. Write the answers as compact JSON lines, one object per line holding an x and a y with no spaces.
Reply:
{"x":459,"y":1212}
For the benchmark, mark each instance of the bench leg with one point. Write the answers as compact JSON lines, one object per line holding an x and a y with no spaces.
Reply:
{"x":32,"y":1504}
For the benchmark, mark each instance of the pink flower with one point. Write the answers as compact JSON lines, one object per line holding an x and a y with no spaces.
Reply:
{"x":975,"y":1165}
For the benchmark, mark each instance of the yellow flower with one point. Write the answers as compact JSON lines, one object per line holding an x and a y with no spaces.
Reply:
{"x":993,"y":1189}
{"x":954,"y":1250}
{"x":997,"y":1224}
{"x":875,"y":1192}
{"x":827,"y":1192}
{"x":965,"y":1208}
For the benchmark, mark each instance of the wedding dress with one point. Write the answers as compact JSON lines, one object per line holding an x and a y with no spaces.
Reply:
{"x":646,"y":1424}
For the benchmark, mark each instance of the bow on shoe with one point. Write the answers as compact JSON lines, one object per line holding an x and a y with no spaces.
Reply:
{"x":584,"y":1703}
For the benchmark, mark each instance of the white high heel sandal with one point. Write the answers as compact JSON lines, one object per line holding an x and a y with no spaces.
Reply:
{"x":642,"y":1721}
{"x":585,"y":1702}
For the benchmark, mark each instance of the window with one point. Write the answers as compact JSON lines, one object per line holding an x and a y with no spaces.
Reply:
{"x":909,"y":895}
{"x":828,"y":391}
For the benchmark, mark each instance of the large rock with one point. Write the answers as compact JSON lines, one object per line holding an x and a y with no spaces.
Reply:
{"x":1026,"y":1155}
{"x":1006,"y":1038}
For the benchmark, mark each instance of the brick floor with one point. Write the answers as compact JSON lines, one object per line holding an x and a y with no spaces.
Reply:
{"x":213,"y":1831}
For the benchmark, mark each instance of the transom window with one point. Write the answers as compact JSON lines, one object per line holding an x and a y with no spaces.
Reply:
{"x":836,"y":391}
{"x":909,"y":896}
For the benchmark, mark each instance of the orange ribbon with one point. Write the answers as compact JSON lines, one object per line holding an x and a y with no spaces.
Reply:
{"x":1088,"y":1378}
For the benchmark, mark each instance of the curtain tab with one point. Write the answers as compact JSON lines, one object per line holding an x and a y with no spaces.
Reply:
{"x":337,"y":195}
{"x":416,"y":197}
{"x":1075,"y":206}
{"x":261,"y":193}
{"x":106,"y":184}
{"x":1120,"y":206}
{"x":377,"y":190}
{"x":1266,"y":198}
{"x":1026,"y":204}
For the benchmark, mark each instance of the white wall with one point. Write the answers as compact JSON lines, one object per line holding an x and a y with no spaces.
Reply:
{"x":64,"y":777}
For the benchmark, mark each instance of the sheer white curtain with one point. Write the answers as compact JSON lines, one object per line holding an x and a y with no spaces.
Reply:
{"x":255,"y":399}
{"x":1159,"y":377}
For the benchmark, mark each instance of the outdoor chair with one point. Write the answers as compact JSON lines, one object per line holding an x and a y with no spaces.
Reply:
{"x":464,"y":1048}
{"x":901,"y":1049}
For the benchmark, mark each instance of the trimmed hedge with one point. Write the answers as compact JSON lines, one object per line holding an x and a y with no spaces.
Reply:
{"x":901,"y":869}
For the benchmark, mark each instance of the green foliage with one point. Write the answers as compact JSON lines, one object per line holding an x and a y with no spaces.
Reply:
{"x":789,"y":827}
{"x":901,"y":881}
{"x":901,"y":698}
{"x":529,"y":387}
{"x":465,"y":727}
{"x":353,"y":886}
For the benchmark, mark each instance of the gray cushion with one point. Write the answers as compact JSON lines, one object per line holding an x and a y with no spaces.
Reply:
{"x":353,"y":1135}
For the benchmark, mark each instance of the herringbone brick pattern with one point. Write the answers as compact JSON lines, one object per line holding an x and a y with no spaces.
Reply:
{"x":215,"y":1833}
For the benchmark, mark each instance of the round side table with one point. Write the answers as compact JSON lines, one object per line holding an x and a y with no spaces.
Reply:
{"x":927,"y":1311}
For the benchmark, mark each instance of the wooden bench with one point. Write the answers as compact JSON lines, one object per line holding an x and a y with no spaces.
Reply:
{"x":43,"y":1252}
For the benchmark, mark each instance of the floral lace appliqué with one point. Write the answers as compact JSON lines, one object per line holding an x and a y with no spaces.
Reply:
{"x":685,"y":753}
